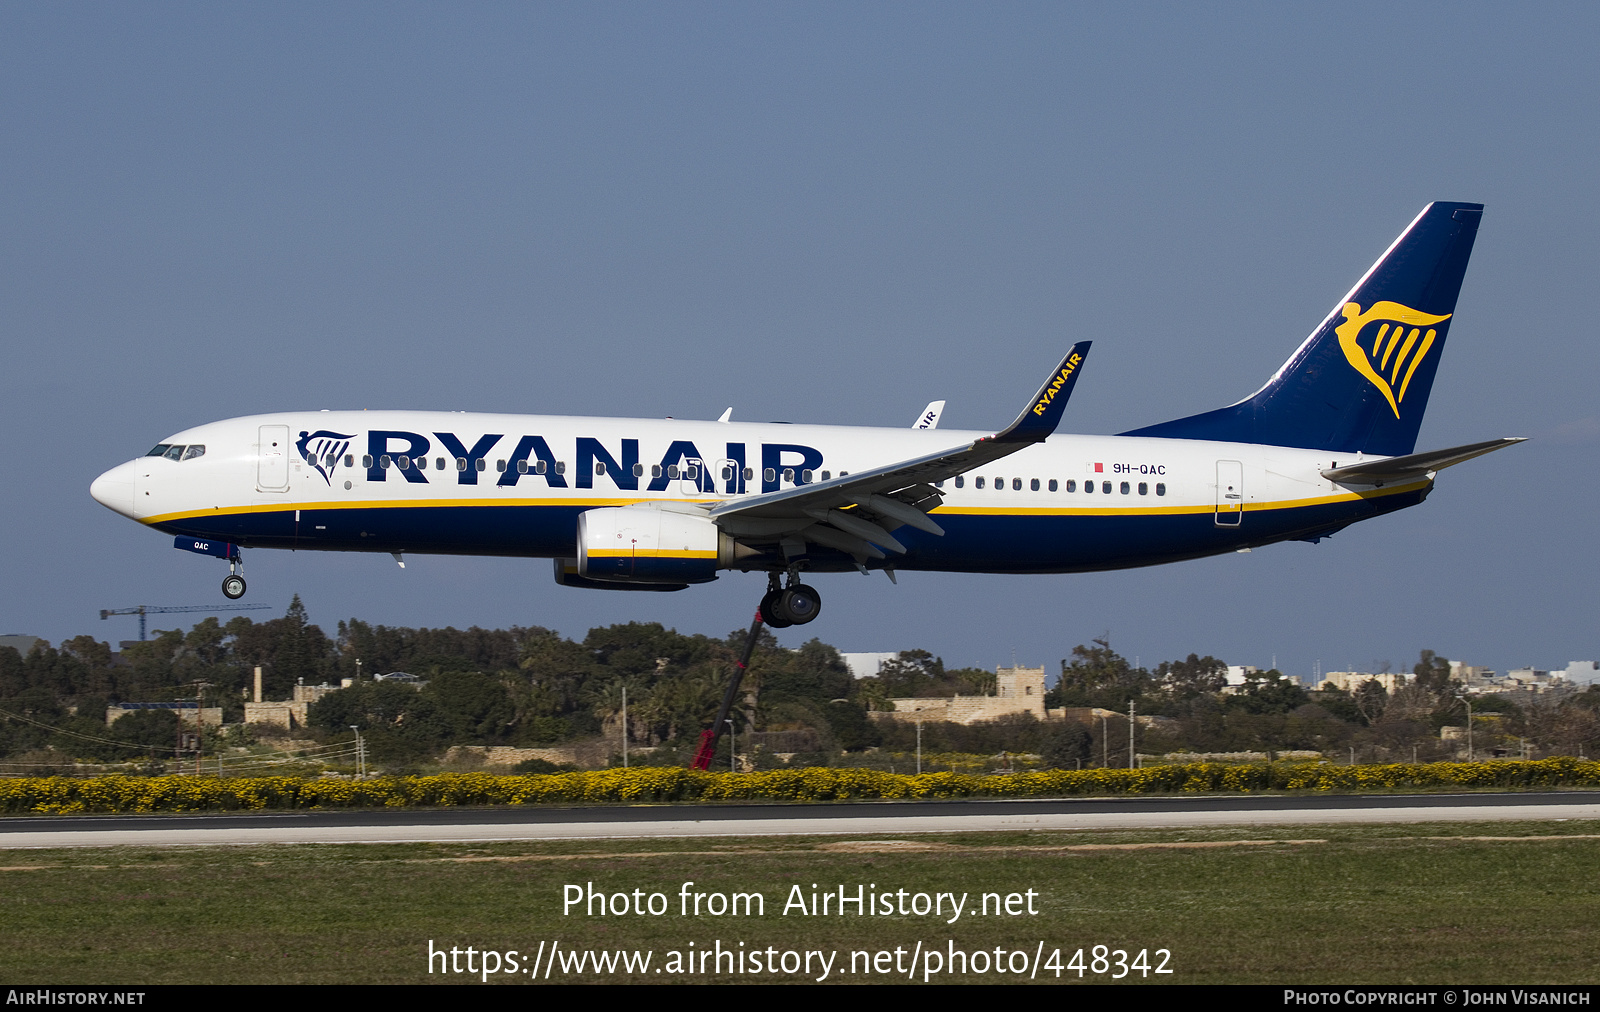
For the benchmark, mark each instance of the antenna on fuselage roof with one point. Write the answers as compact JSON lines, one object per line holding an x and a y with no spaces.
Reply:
{"x":726,"y":416}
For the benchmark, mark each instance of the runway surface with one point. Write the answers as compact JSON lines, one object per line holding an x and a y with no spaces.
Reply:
{"x":859,"y":818}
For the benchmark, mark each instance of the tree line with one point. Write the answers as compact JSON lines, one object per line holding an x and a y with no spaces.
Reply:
{"x":530,"y":686}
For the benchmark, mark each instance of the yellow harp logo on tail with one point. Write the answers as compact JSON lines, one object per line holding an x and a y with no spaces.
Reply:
{"x":1389,"y":354}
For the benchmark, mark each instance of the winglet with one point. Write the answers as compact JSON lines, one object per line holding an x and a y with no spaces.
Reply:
{"x":1043,"y":414}
{"x":929,"y":419}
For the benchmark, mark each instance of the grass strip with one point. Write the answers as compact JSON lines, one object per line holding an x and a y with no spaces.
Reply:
{"x":1447,"y":904}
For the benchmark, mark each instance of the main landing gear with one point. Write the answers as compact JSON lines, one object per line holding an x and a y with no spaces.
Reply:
{"x":795,"y":604}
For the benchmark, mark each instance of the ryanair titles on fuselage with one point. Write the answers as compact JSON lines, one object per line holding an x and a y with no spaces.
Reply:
{"x":727,"y":469}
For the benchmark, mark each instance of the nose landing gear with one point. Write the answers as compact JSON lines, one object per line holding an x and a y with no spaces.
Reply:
{"x":233,"y":583}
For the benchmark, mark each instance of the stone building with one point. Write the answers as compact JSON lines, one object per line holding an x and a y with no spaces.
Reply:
{"x":1017,"y":690}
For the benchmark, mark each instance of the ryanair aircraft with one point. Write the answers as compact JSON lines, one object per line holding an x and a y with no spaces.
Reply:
{"x":629,"y":504}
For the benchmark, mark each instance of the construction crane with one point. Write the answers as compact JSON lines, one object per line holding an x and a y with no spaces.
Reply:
{"x":150,"y":609}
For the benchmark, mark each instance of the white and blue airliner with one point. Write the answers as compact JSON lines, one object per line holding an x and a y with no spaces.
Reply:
{"x":634,"y":504}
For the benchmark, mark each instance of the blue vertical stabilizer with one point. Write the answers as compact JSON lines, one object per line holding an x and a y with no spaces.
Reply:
{"x":1360,"y":382}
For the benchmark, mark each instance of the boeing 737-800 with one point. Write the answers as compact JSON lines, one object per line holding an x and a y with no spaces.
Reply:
{"x":629,"y":504}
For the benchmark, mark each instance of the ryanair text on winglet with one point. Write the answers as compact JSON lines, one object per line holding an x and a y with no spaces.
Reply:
{"x":1055,"y":385}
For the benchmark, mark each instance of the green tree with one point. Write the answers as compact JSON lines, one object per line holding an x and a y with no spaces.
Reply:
{"x":1067,"y":746}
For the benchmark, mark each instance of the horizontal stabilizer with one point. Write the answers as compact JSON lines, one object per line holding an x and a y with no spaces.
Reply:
{"x":1413,"y":465}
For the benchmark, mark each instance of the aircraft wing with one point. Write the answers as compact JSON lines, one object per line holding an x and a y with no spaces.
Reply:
{"x":855,"y":513}
{"x":1413,"y":465}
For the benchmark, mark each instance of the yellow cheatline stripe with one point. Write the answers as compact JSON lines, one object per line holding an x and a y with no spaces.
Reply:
{"x":1111,"y":511}
{"x":652,"y":553}
{"x":290,"y":507}
{"x":942,"y":510}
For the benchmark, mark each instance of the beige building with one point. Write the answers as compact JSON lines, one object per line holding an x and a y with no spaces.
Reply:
{"x":1349,"y":681}
{"x":1017,"y":690}
{"x":289,"y":713}
{"x":210,"y":716}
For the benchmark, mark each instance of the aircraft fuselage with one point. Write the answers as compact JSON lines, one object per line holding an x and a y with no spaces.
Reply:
{"x":514,"y":485}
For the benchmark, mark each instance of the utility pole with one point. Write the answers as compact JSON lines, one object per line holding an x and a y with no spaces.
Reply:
{"x":919,"y":748}
{"x":1130,"y":735}
{"x":361,"y":754}
{"x":199,"y":724}
{"x":624,"y":726}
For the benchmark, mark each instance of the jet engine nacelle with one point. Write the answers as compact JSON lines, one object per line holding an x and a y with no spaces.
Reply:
{"x":643,"y":544}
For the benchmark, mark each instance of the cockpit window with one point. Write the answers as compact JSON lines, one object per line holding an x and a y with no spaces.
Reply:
{"x":174,"y":453}
{"x":160,"y":450}
{"x":194,"y":450}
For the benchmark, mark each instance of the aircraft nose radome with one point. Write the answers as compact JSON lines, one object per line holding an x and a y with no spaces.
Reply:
{"x":114,"y":489}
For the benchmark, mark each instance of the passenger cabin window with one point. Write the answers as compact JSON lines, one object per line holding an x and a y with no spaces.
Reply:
{"x":638,"y":470}
{"x":1088,"y":486}
{"x":366,"y":460}
{"x":1161,"y":488}
{"x":1034,"y":485}
{"x":788,"y":475}
{"x":599,"y":466}
{"x":438,"y":463}
{"x":1016,"y":484}
{"x":1144,"y":488}
{"x":805,"y":476}
{"x":977,"y":482}
{"x":1124,"y":488}
{"x":960,"y":481}
{"x":826,"y":476}
{"x":1054,"y":486}
{"x":499,"y":465}
{"x":483,"y":465}
{"x":461,"y":463}
{"x":522,"y":467}
{"x":193,"y":450}
{"x":672,"y":470}
{"x":749,"y":474}
{"x":1105,"y":486}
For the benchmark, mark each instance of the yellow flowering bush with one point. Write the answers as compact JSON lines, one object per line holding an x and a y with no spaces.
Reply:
{"x":660,"y":784}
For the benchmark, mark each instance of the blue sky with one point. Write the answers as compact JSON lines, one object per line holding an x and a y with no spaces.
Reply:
{"x":811,"y":212}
